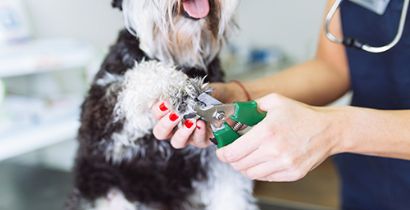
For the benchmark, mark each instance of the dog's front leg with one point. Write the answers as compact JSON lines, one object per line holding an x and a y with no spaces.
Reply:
{"x":116,"y":119}
{"x":225,"y":189}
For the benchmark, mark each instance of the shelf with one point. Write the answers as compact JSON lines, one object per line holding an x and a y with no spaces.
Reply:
{"x":37,"y":56}
{"x":36,"y":137}
{"x":28,"y":124}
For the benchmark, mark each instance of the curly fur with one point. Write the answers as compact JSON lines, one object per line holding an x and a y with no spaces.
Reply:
{"x":149,"y":82}
{"x":120,"y":165}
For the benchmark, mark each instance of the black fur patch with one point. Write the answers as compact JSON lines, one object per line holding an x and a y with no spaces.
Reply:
{"x":150,"y":180}
{"x":117,"y":4}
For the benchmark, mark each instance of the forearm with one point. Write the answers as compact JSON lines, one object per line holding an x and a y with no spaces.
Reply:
{"x":372,"y":132}
{"x":315,"y":82}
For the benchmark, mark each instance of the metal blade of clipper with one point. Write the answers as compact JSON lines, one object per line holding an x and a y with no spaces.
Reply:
{"x":208,"y":100}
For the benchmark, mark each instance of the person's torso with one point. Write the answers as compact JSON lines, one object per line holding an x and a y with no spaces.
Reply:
{"x":380,"y":81}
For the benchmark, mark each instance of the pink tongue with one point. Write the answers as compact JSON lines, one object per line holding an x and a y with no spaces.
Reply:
{"x":196,"y":8}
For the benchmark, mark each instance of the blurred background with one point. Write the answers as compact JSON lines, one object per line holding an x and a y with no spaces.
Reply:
{"x":49,"y":52}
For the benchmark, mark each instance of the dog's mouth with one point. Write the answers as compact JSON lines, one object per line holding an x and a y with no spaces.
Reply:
{"x":196,"y":9}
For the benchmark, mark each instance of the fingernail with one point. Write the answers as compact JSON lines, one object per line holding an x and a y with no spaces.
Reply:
{"x":188,"y":124}
{"x":198,"y":127}
{"x":162,"y":107}
{"x":173,"y":117}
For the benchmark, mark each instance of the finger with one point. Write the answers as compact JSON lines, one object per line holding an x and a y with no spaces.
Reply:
{"x":286,"y":175}
{"x":160,"y":109}
{"x":181,"y":136}
{"x":242,"y":147}
{"x":166,"y":125}
{"x":200,"y":136}
{"x":253,"y":159}
{"x":279,"y":176}
{"x":263,"y":169}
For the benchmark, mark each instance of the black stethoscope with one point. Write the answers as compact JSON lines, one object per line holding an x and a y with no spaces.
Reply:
{"x":355,"y":43}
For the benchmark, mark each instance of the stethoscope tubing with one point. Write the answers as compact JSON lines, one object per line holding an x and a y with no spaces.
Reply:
{"x":351,"y":42}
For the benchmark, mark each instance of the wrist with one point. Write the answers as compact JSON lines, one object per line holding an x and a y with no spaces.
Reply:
{"x":229,"y":92}
{"x":242,"y":93}
{"x":224,"y":92}
{"x":234,"y":93}
{"x":338,"y":122}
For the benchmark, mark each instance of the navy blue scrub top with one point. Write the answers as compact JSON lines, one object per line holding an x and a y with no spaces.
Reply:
{"x":380,"y":81}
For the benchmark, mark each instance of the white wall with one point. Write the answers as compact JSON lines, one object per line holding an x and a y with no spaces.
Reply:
{"x":293,"y":25}
{"x":90,"y":20}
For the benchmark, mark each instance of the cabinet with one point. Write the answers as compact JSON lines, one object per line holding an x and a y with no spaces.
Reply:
{"x":28,"y":122}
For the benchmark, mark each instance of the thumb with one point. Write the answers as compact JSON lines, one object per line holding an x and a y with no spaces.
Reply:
{"x":267,"y":102}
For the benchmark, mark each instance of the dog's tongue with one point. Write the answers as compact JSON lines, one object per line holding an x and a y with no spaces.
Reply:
{"x":196,"y":8}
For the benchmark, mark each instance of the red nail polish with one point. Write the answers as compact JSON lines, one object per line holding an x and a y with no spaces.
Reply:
{"x":162,"y":107}
{"x":188,"y":124}
{"x":173,"y":117}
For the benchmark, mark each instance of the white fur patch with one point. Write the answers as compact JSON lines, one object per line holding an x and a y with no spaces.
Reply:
{"x":108,"y":79}
{"x":121,"y":147}
{"x":228,"y":10}
{"x":115,"y":200}
{"x":143,"y":86}
{"x":225,"y":189}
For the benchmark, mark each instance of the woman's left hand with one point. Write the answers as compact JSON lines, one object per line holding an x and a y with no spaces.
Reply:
{"x":193,"y":132}
{"x":292,"y":140}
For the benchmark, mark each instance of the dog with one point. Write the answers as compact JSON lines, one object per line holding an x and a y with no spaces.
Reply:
{"x":167,"y":51}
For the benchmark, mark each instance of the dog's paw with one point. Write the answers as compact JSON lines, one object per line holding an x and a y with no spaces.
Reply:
{"x":152,"y":81}
{"x":184,"y":97}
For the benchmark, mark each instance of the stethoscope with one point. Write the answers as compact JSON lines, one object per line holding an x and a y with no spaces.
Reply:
{"x":355,"y":43}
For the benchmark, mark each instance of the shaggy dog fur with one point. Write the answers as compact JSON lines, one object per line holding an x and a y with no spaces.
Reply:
{"x":163,"y":54}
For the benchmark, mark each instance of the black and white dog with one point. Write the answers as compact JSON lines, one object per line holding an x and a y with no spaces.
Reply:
{"x":169,"y":45}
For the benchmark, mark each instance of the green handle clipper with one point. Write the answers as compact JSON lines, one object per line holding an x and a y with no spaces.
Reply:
{"x":245,"y":114}
{"x":216,"y":114}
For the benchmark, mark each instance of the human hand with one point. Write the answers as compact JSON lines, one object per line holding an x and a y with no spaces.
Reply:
{"x":192,"y":132}
{"x":292,"y":140}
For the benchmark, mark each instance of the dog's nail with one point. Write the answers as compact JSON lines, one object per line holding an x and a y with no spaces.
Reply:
{"x":162,"y":107}
{"x":188,"y":124}
{"x":173,"y":117}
